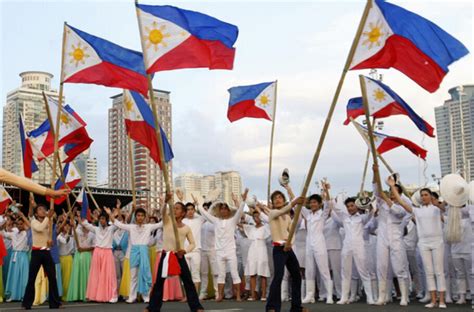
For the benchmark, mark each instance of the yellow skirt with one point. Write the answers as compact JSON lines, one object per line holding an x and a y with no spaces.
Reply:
{"x":152,"y":253}
{"x":66,"y":269}
{"x":125,"y":281}
{"x":41,"y":287}
{"x":1,"y":284}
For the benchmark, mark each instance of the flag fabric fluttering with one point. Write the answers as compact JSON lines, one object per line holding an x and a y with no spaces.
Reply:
{"x":5,"y":200}
{"x":71,"y":180}
{"x":84,"y":202}
{"x":175,"y":38}
{"x":72,"y":131}
{"x":90,"y":59}
{"x":395,"y":37}
{"x":384,"y":102}
{"x":140,"y":125}
{"x":255,"y":101}
{"x":29,"y":165}
{"x":385,"y":143}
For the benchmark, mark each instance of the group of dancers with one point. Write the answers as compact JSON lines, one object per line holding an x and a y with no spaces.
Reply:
{"x":344,"y":250}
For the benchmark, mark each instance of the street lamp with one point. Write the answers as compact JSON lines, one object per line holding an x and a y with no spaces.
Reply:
{"x":465,"y":165}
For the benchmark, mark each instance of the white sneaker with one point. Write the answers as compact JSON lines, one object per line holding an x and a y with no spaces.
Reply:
{"x":113,"y":300}
{"x":202,"y":296}
{"x":430,"y":305}
{"x":130,"y":300}
{"x":442,"y":306}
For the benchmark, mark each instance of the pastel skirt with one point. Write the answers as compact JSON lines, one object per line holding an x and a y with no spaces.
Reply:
{"x":102,"y":285}
{"x":41,"y":285}
{"x":172,"y":287}
{"x":79,"y":276}
{"x":66,"y":270}
{"x":152,"y":253}
{"x":125,"y":281}
{"x":17,"y":276}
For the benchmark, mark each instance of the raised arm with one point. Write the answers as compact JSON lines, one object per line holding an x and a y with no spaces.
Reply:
{"x":275,"y":213}
{"x":207,"y":215}
{"x":87,"y":225}
{"x":239,"y":212}
{"x":401,"y":202}
{"x":289,"y":190}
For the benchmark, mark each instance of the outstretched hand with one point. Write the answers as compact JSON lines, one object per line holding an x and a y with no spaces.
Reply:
{"x":57,"y":193}
{"x":244,"y":195}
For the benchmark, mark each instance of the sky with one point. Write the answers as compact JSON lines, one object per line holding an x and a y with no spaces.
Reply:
{"x":303,"y":44}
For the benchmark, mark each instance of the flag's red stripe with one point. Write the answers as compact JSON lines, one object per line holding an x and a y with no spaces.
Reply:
{"x":141,"y":132}
{"x":400,"y":53}
{"x":246,"y":109}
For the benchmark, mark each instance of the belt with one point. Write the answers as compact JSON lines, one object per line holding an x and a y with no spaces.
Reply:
{"x":277,"y":244}
{"x":40,"y":248}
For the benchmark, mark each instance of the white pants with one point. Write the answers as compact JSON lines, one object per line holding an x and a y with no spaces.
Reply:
{"x":193,"y":260}
{"x":415,"y":271}
{"x":433,"y":262}
{"x":358,"y":254}
{"x":462,"y":266}
{"x":334,"y":256}
{"x":119,"y":256}
{"x":208,"y":261}
{"x":319,"y":257}
{"x":132,"y":296}
{"x":394,"y":254}
{"x":227,"y":258}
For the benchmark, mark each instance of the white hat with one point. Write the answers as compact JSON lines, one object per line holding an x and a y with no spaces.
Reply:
{"x":396,"y":178}
{"x":454,"y":190}
{"x":471,"y":191}
{"x":284,"y":178}
{"x":216,"y":208}
{"x":364,"y":203}
{"x":251,"y":201}
{"x":213,"y":195}
{"x":416,"y":198}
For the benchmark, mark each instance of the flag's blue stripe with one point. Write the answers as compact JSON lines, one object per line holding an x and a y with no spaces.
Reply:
{"x":166,"y":146}
{"x":85,"y":205}
{"x":144,"y":108}
{"x":44,"y":127}
{"x":419,"y":122}
{"x":113,"y":53}
{"x":60,"y":183}
{"x":436,"y":43}
{"x":200,"y":25}
{"x":355,"y":103}
{"x":244,"y":93}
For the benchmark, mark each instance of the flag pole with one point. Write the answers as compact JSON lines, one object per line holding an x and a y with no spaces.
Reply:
{"x":132,"y":171}
{"x":364,"y":174}
{"x":271,"y":145}
{"x":164,"y":168}
{"x":328,"y":120}
{"x":84,"y":181}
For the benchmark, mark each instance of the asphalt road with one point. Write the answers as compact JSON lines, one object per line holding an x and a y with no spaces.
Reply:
{"x":235,"y":306}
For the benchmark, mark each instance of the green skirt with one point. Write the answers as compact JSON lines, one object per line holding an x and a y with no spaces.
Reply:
{"x":79,"y":276}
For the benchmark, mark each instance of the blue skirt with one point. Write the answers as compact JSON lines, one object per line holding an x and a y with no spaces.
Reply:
{"x":17,"y":276}
{"x":6,"y":264}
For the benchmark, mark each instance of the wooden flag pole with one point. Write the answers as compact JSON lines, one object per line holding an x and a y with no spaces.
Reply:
{"x":364,"y":174}
{"x":84,"y":182}
{"x":328,"y":121}
{"x":271,"y":145}
{"x":164,"y":168}
{"x":132,"y":171}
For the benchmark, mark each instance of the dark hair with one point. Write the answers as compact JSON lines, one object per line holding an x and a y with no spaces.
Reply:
{"x":180,"y":204}
{"x":316,"y":197}
{"x":35,"y":210}
{"x":207,"y":204}
{"x":105,"y":215}
{"x":154,"y":218}
{"x":140,"y":210}
{"x":425,"y":189}
{"x":275,"y":194}
{"x":190,"y":206}
{"x":255,"y":212}
{"x":435,"y":195}
{"x":399,"y":188}
{"x":223,"y":205}
{"x":349,"y":200}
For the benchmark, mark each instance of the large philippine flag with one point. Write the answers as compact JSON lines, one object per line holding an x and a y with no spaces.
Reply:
{"x":395,"y":37}
{"x":71,"y":179}
{"x":140,"y":125}
{"x":174,"y":38}
{"x":29,"y":165}
{"x":385,"y":143}
{"x":384,"y":102}
{"x":84,"y":202}
{"x":90,"y":59}
{"x":71,"y":131}
{"x":255,"y":101}
{"x":5,"y":200}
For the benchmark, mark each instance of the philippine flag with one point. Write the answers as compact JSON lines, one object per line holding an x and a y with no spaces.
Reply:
{"x":71,"y":179}
{"x":174,"y":38}
{"x":84,"y":202}
{"x":255,"y":101}
{"x":29,"y":165}
{"x":5,"y":200}
{"x":395,"y":37}
{"x":90,"y":59}
{"x":140,"y":125}
{"x":384,"y":102}
{"x":71,"y":131}
{"x":385,"y":143}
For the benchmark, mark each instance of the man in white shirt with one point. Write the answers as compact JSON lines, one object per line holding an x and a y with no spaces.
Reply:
{"x":208,"y":255}
{"x":193,"y":258}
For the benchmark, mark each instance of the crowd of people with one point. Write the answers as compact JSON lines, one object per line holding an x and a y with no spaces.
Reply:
{"x":381,"y":249}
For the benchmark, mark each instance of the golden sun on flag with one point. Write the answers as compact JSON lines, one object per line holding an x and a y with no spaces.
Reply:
{"x":65,"y":119}
{"x":4,"y":194}
{"x":264,"y":100}
{"x":374,"y":35}
{"x":78,"y":54}
{"x":128,"y":103}
{"x":379,"y":95}
{"x":156,"y":36}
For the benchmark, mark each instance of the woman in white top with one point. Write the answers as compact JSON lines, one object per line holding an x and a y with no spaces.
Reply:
{"x":428,"y":218}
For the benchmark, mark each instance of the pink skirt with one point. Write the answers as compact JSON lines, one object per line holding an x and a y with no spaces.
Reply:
{"x":172,"y":288}
{"x":102,"y":285}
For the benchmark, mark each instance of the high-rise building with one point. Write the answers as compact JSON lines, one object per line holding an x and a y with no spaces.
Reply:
{"x":87,"y":167}
{"x":28,"y":101}
{"x":455,"y":137}
{"x":227,"y":182}
{"x":148,"y":176}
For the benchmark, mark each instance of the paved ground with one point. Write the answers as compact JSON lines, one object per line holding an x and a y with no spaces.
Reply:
{"x":236,"y":306}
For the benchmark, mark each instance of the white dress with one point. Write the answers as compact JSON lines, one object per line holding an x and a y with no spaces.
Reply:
{"x":257,"y":260}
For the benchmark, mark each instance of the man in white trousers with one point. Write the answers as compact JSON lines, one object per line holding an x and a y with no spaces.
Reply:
{"x":193,"y":258}
{"x":334,"y":246}
{"x":208,"y":256}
